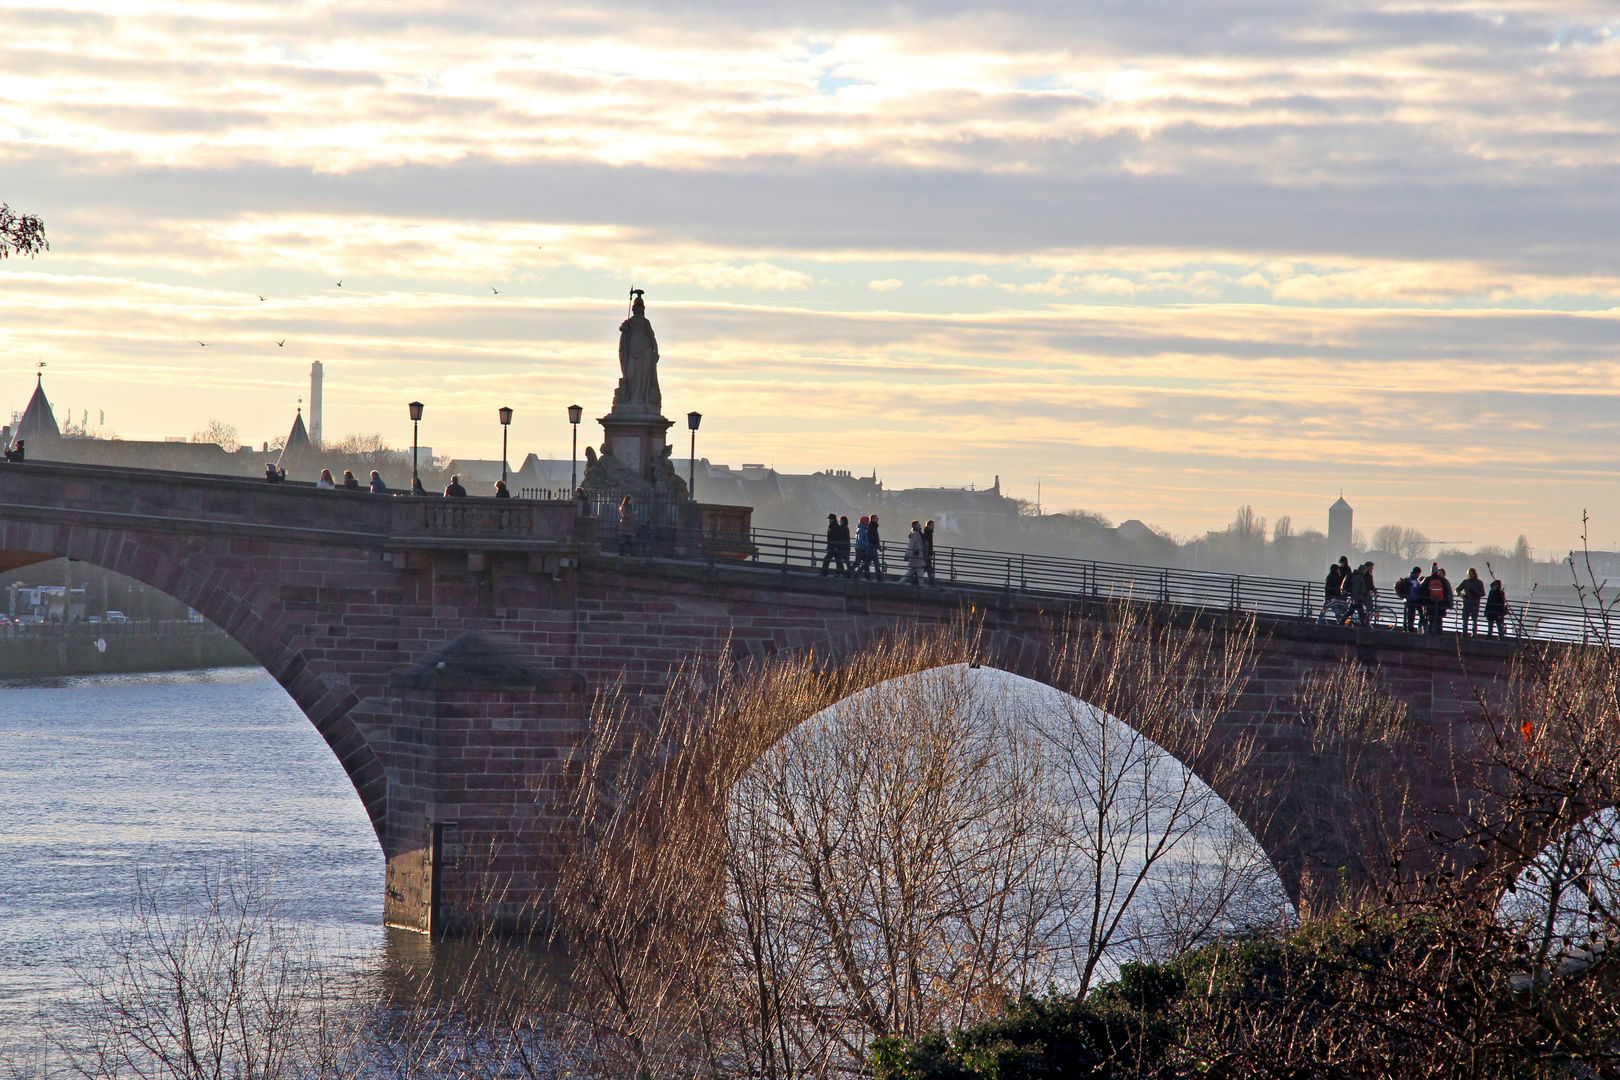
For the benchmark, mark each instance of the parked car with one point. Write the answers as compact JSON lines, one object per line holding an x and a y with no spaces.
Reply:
{"x":115,"y":616}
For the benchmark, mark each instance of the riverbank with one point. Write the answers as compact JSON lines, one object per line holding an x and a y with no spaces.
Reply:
{"x":42,"y":652}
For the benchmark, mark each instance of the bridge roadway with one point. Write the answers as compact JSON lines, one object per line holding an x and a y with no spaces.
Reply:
{"x":447,"y":651}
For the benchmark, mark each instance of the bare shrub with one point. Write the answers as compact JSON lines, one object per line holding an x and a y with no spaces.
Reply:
{"x":1141,"y":743}
{"x":205,"y":981}
{"x":762,"y":897}
{"x":891,"y":869}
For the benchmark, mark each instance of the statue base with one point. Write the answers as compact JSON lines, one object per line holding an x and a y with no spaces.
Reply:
{"x":633,"y":456}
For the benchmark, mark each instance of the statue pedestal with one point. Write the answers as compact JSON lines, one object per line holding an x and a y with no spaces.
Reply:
{"x":635,"y":441}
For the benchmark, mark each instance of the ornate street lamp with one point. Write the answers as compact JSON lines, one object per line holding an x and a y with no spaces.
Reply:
{"x":693,"y":419}
{"x":416,"y":424}
{"x":506,"y":422}
{"x":574,"y":413}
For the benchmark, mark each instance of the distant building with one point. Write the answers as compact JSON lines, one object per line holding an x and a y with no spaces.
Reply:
{"x":38,"y":423}
{"x":1340,"y":528}
{"x":297,"y":447}
{"x":317,"y":374}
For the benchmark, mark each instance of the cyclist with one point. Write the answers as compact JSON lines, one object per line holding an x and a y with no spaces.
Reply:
{"x":1362,"y":592}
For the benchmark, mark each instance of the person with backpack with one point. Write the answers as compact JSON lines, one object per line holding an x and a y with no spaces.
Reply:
{"x":1472,"y":591}
{"x":928,"y":549}
{"x":1407,"y":589}
{"x":1436,"y":598}
{"x":1496,"y":610}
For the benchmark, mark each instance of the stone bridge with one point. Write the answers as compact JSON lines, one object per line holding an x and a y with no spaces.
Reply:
{"x":447,"y":651}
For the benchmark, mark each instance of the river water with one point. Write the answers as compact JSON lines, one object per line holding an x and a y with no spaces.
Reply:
{"x":100,"y":775}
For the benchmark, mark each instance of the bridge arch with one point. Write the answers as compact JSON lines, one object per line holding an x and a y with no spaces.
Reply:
{"x":229,"y":601}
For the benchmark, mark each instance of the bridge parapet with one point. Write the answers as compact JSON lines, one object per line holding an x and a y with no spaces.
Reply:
{"x":491,"y":519}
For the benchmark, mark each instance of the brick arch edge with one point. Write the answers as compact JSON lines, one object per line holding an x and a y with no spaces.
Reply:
{"x":251,"y":624}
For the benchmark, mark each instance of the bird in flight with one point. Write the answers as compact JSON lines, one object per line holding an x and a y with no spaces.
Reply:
{"x":204,"y":344}
{"x":260,"y":297}
{"x":494,"y":290}
{"x":340,"y":283}
{"x":283,"y":341}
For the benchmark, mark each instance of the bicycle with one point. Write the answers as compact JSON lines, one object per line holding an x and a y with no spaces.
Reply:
{"x":1341,"y":611}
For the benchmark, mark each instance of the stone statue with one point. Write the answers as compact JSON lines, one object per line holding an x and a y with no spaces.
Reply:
{"x":638,"y":392}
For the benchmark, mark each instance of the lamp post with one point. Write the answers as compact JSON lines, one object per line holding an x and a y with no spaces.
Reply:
{"x":416,"y":424}
{"x":506,"y":422}
{"x":574,"y":413}
{"x":693,"y":419}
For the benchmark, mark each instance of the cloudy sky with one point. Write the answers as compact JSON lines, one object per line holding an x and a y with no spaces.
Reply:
{"x":1161,"y":258}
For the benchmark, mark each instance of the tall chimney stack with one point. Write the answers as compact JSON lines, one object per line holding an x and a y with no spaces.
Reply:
{"x":316,"y":372}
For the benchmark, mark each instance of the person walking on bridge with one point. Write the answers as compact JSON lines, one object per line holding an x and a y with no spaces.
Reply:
{"x":879,"y":566}
{"x":15,"y":452}
{"x":377,"y":485}
{"x":1496,"y":610}
{"x":1333,"y":587}
{"x":863,"y":549}
{"x":1472,"y":591}
{"x":350,"y":481}
{"x":928,"y":550}
{"x":1361,"y":589}
{"x":1408,"y":589}
{"x":916,"y":556}
{"x":837,"y":546}
{"x":1436,"y":598}
{"x":454,"y":490}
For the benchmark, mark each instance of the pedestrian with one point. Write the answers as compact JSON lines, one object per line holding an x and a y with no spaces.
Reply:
{"x":15,"y":452}
{"x":863,"y":549}
{"x":500,"y":490}
{"x":1361,"y":590}
{"x":843,"y":542}
{"x":273,"y":475}
{"x":928,"y":549}
{"x":1496,"y":610}
{"x":377,"y":485}
{"x":916,"y":556}
{"x":1472,"y":591}
{"x":1333,"y":586}
{"x":350,"y":481}
{"x":1409,"y":589}
{"x":1436,"y":598}
{"x":627,"y":524}
{"x":416,"y":486}
{"x":879,"y":565}
{"x":454,"y":490}
{"x":834,"y":555}
{"x":326,"y":483}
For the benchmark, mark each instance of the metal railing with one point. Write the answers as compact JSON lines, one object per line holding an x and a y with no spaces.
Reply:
{"x":1093,"y":579}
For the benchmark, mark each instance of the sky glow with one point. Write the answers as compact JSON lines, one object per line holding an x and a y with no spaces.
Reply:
{"x":1164,"y":258}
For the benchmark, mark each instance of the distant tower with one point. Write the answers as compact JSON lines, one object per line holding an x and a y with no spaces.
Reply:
{"x":316,"y":373}
{"x":1339,"y":528}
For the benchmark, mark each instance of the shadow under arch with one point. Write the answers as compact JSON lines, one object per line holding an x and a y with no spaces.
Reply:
{"x":215,"y":597}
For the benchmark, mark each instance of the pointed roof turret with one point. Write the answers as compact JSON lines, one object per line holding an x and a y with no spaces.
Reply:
{"x":1339,"y":504}
{"x":38,"y":421}
{"x":297,"y":442}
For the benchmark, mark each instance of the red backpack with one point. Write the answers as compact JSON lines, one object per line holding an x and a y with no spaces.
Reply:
{"x":1437,"y":589}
